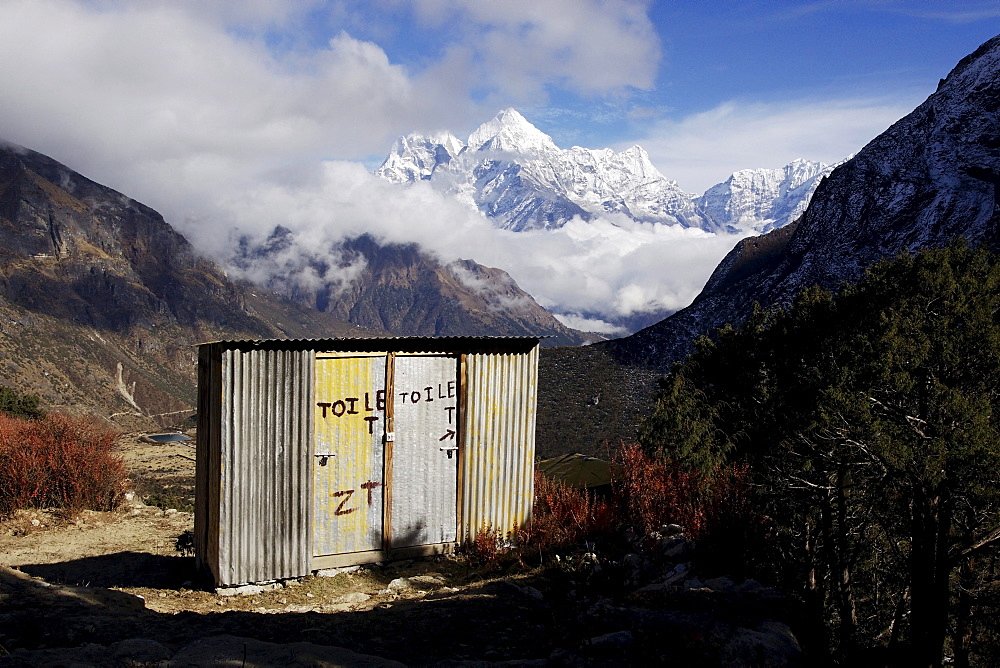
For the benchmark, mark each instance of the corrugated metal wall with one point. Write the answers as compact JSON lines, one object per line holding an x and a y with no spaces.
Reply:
{"x":207,"y":478}
{"x":499,"y":444}
{"x":265,"y":491}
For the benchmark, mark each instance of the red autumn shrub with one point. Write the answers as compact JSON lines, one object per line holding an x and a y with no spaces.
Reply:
{"x":487,"y":547}
{"x":59,"y":461}
{"x":563,"y":515}
{"x":651,"y":492}
{"x":647,"y":492}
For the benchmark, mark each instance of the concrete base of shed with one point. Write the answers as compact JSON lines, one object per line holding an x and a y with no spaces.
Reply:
{"x":374,"y":556}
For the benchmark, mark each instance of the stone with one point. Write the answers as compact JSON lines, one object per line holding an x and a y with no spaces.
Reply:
{"x":674,"y":547}
{"x":532,"y":593}
{"x":719,"y":584}
{"x":430,"y":579}
{"x":143,"y":651}
{"x":749,"y":586}
{"x":672,"y":579}
{"x":770,"y":644}
{"x":616,"y":640}
{"x":334,"y":572}
{"x":244,"y":590}
{"x":398,"y":585}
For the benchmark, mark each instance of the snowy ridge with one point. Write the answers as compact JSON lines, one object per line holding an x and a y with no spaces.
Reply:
{"x":760,"y":200}
{"x":931,"y":178}
{"x":516,"y":175}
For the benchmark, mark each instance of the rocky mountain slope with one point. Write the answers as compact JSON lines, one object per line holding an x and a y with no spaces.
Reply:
{"x":101,"y":301}
{"x":515,"y":175}
{"x":933,"y":176}
{"x":403,"y":290}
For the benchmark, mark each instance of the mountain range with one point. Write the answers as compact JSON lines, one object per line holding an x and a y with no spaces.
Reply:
{"x":932,"y":177}
{"x":401,"y":289}
{"x":516,"y":176}
{"x":102,"y":302}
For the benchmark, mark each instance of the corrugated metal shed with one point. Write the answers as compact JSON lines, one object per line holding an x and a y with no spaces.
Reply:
{"x":328,"y":452}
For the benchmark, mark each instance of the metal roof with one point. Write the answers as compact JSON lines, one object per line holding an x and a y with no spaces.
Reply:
{"x":413,"y":344}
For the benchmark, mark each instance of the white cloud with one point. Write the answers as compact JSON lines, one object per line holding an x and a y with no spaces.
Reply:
{"x":703,"y":149}
{"x":166,"y":106}
{"x":611,"y":268}
{"x":585,"y":324}
{"x":589,"y":46}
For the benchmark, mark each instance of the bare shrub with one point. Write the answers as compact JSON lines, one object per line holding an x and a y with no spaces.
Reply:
{"x":563,"y":515}
{"x":59,"y":461}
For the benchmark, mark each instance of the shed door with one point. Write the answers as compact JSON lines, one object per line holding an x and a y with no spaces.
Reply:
{"x":425,"y":452}
{"x":348,"y":454}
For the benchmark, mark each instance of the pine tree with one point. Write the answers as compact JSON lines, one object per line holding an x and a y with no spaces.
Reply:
{"x":869,"y":422}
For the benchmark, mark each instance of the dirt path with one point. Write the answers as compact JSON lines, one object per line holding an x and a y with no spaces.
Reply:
{"x":107,"y":577}
{"x":117,"y":576}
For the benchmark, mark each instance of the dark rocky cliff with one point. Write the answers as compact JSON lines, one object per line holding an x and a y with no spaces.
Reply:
{"x":101,"y":301}
{"x":931,"y":177}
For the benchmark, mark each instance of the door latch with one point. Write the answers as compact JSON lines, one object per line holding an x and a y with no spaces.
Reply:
{"x":451,"y":451}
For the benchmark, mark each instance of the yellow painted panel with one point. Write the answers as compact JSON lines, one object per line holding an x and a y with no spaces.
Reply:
{"x":348,"y":454}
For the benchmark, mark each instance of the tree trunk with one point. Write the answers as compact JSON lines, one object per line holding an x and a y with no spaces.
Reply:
{"x":929,"y":576}
{"x":815,"y":590}
{"x":845,"y":596}
{"x":964,"y":620}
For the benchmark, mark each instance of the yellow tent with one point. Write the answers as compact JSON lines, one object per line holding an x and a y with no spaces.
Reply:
{"x":577,"y":470}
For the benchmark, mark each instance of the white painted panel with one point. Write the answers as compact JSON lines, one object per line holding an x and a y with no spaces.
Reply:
{"x":425,"y":452}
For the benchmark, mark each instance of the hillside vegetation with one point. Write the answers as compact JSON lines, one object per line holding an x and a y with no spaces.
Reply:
{"x":869,"y":424}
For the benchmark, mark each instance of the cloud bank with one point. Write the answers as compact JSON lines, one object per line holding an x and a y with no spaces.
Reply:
{"x":613,"y":267}
{"x":703,"y":149}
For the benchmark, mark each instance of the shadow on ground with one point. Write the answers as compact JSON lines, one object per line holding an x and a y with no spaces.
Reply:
{"x":121,"y":569}
{"x":489,"y":622}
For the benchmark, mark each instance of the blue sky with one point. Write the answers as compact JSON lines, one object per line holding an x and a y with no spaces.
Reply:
{"x":705,"y":87}
{"x":231,"y":117}
{"x":707,"y":54}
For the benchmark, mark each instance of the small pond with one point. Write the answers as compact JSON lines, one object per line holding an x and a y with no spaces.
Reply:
{"x":166,"y":438}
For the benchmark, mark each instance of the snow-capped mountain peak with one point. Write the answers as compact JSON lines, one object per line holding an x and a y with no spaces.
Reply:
{"x":510,"y":131}
{"x":415,"y":156}
{"x":758,"y":200}
{"x":515,"y":175}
